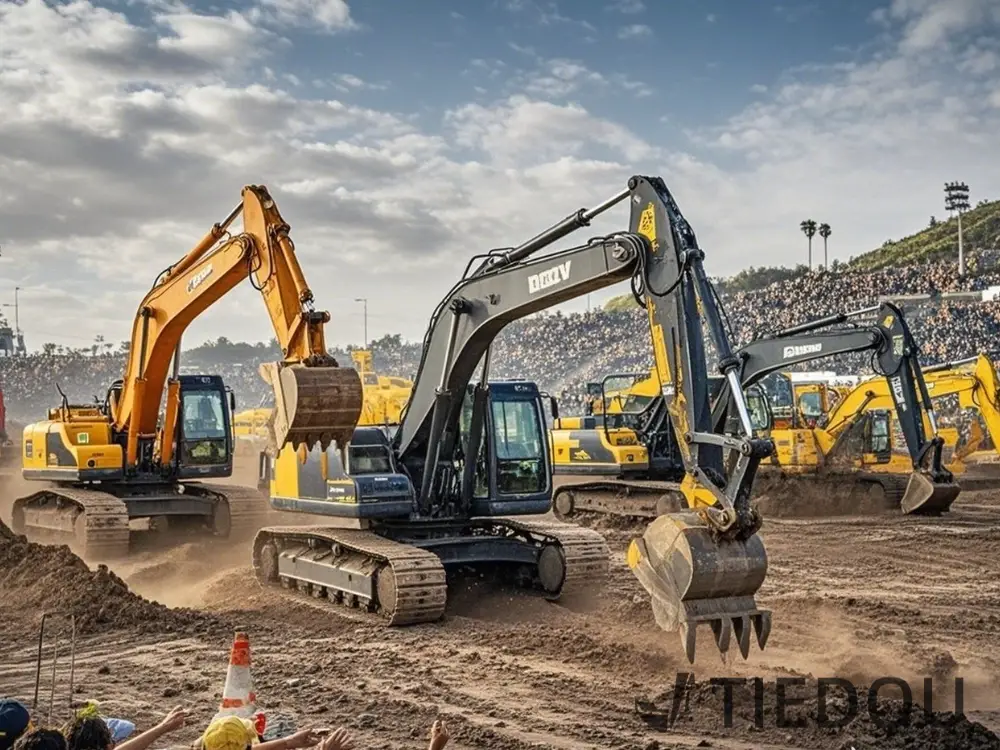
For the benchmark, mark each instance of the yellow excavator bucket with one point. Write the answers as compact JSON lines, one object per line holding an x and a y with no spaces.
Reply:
{"x":313,"y":404}
{"x":695,"y":578}
{"x":924,"y":495}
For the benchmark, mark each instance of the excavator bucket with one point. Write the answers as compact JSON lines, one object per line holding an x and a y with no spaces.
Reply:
{"x":694,"y":578}
{"x":313,"y":404}
{"x":925,"y":496}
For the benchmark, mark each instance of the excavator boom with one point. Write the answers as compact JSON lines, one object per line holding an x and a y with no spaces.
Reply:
{"x":316,"y":400}
{"x":114,"y":462}
{"x":701,"y":566}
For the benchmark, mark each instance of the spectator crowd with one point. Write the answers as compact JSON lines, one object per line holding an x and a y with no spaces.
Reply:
{"x":88,"y":730}
{"x":563,"y":352}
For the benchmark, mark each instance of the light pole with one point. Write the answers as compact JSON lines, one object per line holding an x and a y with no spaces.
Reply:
{"x":956,"y":200}
{"x":364,"y":300}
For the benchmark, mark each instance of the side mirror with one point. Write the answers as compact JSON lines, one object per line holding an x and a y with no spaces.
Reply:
{"x":232,"y":402}
{"x":554,"y":406}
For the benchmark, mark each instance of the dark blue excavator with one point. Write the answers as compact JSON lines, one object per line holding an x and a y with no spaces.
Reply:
{"x":461,"y":480}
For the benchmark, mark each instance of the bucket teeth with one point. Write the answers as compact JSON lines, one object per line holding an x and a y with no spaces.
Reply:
{"x":689,"y":634}
{"x":725,"y":628}
{"x":741,"y":626}
{"x":723,"y":631}
{"x":762,"y":627}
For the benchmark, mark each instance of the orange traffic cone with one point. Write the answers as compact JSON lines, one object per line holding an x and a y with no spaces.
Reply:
{"x":238,"y":696}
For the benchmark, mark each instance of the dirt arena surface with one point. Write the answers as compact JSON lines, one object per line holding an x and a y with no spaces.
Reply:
{"x":855,"y":598}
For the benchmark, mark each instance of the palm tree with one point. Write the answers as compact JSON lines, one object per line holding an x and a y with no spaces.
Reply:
{"x":808,"y":228}
{"x":825,"y":232}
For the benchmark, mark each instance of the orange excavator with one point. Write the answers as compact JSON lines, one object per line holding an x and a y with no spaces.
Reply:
{"x":111,"y":463}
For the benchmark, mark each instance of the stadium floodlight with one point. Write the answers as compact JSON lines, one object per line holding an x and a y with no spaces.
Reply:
{"x":956,"y":200}
{"x":364,"y":300}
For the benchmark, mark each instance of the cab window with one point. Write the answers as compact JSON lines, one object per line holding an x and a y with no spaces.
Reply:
{"x":518,"y":443}
{"x":203,"y":428}
{"x":811,"y":404}
{"x":880,"y":433}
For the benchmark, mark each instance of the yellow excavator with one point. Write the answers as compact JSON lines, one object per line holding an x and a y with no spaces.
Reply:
{"x":455,"y":484}
{"x":602,"y":442}
{"x":109,"y":463}
{"x":591,"y":446}
{"x":865,"y":411}
{"x":628,"y":465}
{"x":616,"y":442}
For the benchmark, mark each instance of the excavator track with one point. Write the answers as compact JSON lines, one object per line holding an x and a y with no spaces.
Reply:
{"x":833,"y":494}
{"x":584,"y":553}
{"x":404,"y":583}
{"x":94,"y":524}
{"x":617,"y":497}
{"x":240,"y":512}
{"x":360,"y":569}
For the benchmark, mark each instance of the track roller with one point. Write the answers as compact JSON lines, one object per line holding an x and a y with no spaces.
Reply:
{"x":403,"y":584}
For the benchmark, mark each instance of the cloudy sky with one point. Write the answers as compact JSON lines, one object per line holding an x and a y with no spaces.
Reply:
{"x":401,"y":137}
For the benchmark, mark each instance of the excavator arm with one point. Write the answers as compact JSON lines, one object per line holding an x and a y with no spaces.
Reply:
{"x":700,"y":566}
{"x":316,"y":400}
{"x":895,"y":356}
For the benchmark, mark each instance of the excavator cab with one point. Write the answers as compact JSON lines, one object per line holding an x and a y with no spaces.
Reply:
{"x":878,"y":438}
{"x":512,"y":471}
{"x":204,"y":431}
{"x":760,"y":410}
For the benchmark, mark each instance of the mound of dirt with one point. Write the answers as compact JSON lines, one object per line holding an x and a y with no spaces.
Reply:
{"x":807,"y":723}
{"x":779,"y":495}
{"x":35,"y":578}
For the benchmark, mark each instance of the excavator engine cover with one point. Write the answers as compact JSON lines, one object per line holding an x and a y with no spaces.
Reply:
{"x":314,"y":404}
{"x":694,"y":577}
{"x":924,"y":495}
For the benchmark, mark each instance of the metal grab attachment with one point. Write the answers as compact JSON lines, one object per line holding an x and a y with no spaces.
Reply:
{"x":55,"y":660}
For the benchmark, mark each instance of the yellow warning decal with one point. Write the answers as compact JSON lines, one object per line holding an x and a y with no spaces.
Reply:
{"x":647,"y":223}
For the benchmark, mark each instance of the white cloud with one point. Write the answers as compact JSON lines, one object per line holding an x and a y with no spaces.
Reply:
{"x":328,"y":15}
{"x":627,"y":6}
{"x":523,"y":131}
{"x":634,"y":30}
{"x":209,"y":37}
{"x":546,"y":13}
{"x":121,"y":145}
{"x":348,"y":82}
{"x":929,"y":23}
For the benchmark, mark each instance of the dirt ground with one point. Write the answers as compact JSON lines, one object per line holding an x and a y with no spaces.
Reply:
{"x":855,"y":598}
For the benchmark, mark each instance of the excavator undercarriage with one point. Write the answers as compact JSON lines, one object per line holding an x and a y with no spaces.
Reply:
{"x":399,"y":571}
{"x":142,"y":456}
{"x":98,"y":525}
